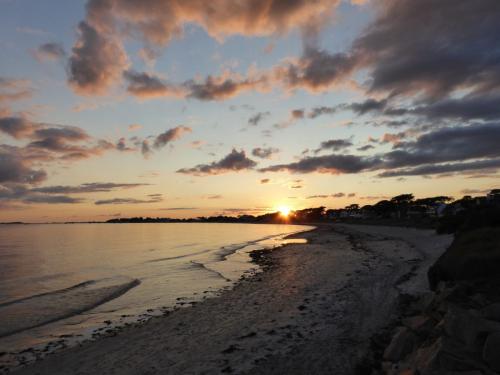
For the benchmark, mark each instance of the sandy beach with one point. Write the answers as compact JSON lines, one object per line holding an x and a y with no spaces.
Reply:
{"x":312,"y":311}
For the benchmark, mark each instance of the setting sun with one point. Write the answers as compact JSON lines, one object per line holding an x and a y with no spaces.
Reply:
{"x":284,"y":211}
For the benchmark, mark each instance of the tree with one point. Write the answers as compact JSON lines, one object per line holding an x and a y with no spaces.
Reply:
{"x":403,"y":199}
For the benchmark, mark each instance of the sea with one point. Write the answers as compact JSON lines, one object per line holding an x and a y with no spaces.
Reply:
{"x":61,"y":284}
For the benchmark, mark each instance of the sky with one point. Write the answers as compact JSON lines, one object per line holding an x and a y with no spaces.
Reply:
{"x":170,"y":108}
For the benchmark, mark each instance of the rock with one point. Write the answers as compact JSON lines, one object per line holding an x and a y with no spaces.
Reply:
{"x":492,"y":312}
{"x":491,"y":351}
{"x":401,"y":344}
{"x":444,"y":354}
{"x":419,"y":324}
{"x":425,"y":302}
{"x":469,"y":327}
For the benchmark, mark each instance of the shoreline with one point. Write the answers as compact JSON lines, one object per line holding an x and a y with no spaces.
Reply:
{"x":235,"y":262}
{"x":311,"y":301}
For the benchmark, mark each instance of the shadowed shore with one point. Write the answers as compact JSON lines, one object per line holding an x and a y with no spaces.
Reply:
{"x":314,"y":309}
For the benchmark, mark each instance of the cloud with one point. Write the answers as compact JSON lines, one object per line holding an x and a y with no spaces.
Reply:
{"x":90,"y":187}
{"x":475,"y":191}
{"x":396,"y":59}
{"x":444,"y":168}
{"x":365,"y":148}
{"x":452,"y":52}
{"x":215,"y":196}
{"x":16,"y":126}
{"x":324,"y":196}
{"x":145,"y":85}
{"x":50,"y":52}
{"x":20,"y":193}
{"x":178,"y":208}
{"x":316,"y":70}
{"x":265,"y":180}
{"x":52,"y":199}
{"x":334,"y":164}
{"x":264,"y":153}
{"x":319,"y":111}
{"x":14,"y":167}
{"x":157,"y":22}
{"x":146,"y":149}
{"x":14,"y":89}
{"x":96,"y":62}
{"x":334,"y":144}
{"x":469,"y":107}
{"x":367,"y":106}
{"x":451,"y":149}
{"x":258,"y":117}
{"x":134,"y":127}
{"x":222,"y":87}
{"x":153,"y":198}
{"x":170,"y":135}
{"x":233,"y":162}
{"x":297,"y":114}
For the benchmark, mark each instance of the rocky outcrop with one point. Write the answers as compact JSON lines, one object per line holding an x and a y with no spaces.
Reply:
{"x":454,"y":330}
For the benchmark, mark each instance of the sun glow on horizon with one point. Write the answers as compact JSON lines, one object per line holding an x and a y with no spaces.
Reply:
{"x":284,"y":211}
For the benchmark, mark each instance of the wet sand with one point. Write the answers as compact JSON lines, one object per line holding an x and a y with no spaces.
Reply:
{"x":313,"y":310}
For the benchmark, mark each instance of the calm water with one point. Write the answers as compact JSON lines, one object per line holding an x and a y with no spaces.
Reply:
{"x":68,"y":280}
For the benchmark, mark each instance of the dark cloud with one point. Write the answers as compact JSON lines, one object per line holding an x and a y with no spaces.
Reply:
{"x":121,"y":145}
{"x":170,"y":135}
{"x":448,"y":144}
{"x":456,"y":49}
{"x":154,"y":198}
{"x":316,"y":70}
{"x":264,"y":153}
{"x":52,"y":199}
{"x":324,"y":196}
{"x":365,"y":148}
{"x":16,"y":126}
{"x":265,"y":180}
{"x":15,"y":168}
{"x":470,"y":107}
{"x":145,"y":85}
{"x":444,"y":168}
{"x":233,"y":162}
{"x":334,"y":144}
{"x":50,"y":52}
{"x":367,"y":106}
{"x":97,"y":60}
{"x":220,"y":88}
{"x":451,"y":149}
{"x":20,"y":193}
{"x":91,"y":187}
{"x":258,"y":117}
{"x":321,"y":196}
{"x":334,"y":164}
{"x":319,"y":111}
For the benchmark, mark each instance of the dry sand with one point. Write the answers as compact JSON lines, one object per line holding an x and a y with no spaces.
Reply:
{"x":312,"y":311}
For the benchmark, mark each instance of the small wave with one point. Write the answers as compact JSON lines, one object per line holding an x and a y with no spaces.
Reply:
{"x":179,"y":256}
{"x":41,"y":309}
{"x":205,"y":267}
